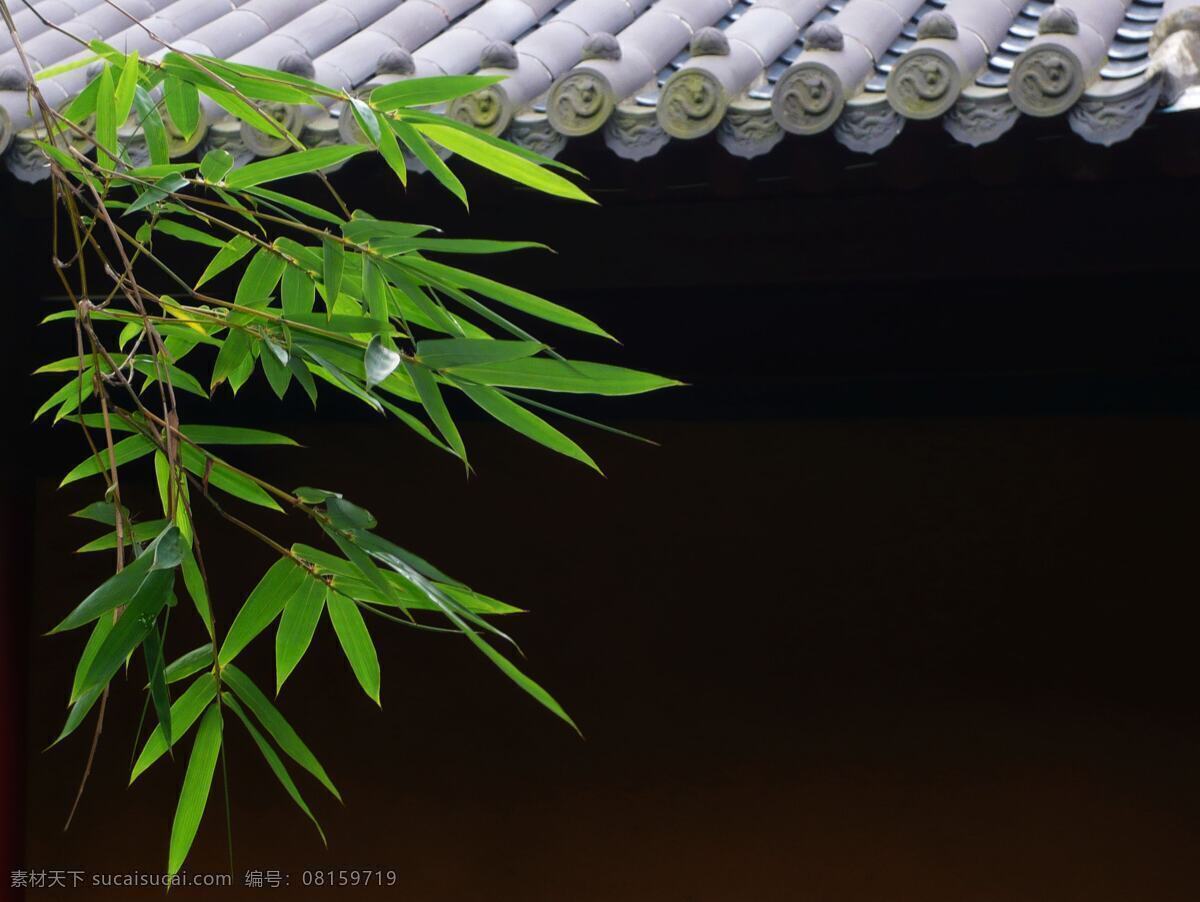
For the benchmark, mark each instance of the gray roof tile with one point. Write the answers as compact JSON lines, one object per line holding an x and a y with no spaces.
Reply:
{"x":644,"y":72}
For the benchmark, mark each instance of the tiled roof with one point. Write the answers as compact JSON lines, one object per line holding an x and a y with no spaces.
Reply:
{"x":644,"y":73}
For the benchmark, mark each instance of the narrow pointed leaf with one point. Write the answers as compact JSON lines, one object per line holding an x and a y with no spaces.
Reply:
{"x":128,"y":632}
{"x":190,"y":663}
{"x":529,"y":424}
{"x":183,"y":105}
{"x":356,"y":642}
{"x":435,"y":406}
{"x":280,"y":583}
{"x":572,"y":376}
{"x":197,"y":782}
{"x":159,"y":694}
{"x":295,"y":163}
{"x":273,"y":760}
{"x":184,"y":712}
{"x":296,"y":628}
{"x":281,"y":731}
{"x":441,"y":353}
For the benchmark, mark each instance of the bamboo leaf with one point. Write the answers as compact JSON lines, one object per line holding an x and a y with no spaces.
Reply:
{"x":334,"y":260}
{"x":572,"y":376}
{"x":106,"y":120}
{"x":222,"y":477}
{"x":502,"y":162}
{"x":516,"y":417}
{"x":356,"y":642}
{"x":79,"y":710}
{"x":290,"y":164}
{"x":117,"y":590}
{"x":283,"y":734}
{"x":273,"y":760}
{"x":193,"y":581}
{"x":152,"y":126}
{"x":183,"y":105}
{"x":435,"y":406}
{"x":126,"y":450}
{"x":296,"y":628}
{"x":128,"y":632}
{"x":424,"y":91}
{"x":233,"y":251}
{"x":420,"y":149}
{"x":505,"y":294}
{"x":142,"y":532}
{"x":126,"y":84}
{"x":279,"y":584}
{"x":193,"y":797}
{"x":184,"y":712}
{"x":234,"y":435}
{"x":190,"y":663}
{"x":216,"y":164}
{"x":258,"y":282}
{"x":441,"y":353}
{"x":152,"y":650}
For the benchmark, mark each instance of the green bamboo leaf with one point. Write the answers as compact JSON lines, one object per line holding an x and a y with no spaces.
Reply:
{"x":261,"y":276}
{"x":168,"y":549}
{"x":180,"y":379}
{"x":128,"y":632}
{"x":334,"y":258}
{"x":392,"y":155}
{"x":160,"y":696}
{"x":502,"y":162}
{"x":117,"y":590}
{"x":366,"y":119}
{"x":183,"y":105}
{"x":248,"y":113}
{"x":379,"y":361}
{"x":79,"y":710}
{"x":152,"y":126}
{"x":374,"y":289}
{"x":441,"y":353}
{"x":505,"y":666}
{"x":193,"y":581}
{"x":157,"y":192}
{"x":222,"y":477}
{"x":424,"y":91}
{"x":187,"y":233}
{"x":292,"y":203}
{"x":347,"y":515}
{"x":419,"y":147}
{"x":142,"y":532}
{"x":104,"y":512}
{"x":296,"y":628}
{"x":100,"y":630}
{"x":233,"y":251}
{"x":356,"y":642}
{"x":234,"y":435}
{"x":67,"y":395}
{"x":516,"y":417}
{"x":290,"y":164}
{"x":126,"y":84}
{"x":572,"y":376}
{"x":190,"y":663}
{"x":273,"y":760}
{"x":334,"y":375}
{"x":193,"y":797}
{"x":233,"y":354}
{"x":393,"y":246}
{"x":300,"y":370}
{"x":275,"y":367}
{"x":106,"y":120}
{"x":435,"y":406}
{"x":505,"y":294}
{"x":185,"y":711}
{"x":298,"y":292}
{"x":279,"y":584}
{"x":216,"y":164}
{"x":283,"y":734}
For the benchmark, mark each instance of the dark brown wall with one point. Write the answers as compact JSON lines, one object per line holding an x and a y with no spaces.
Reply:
{"x":903,"y":607}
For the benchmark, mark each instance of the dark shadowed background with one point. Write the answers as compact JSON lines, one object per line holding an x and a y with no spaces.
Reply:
{"x":903,"y":608}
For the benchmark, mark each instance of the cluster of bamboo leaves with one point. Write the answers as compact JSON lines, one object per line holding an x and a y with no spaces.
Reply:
{"x":327,"y":299}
